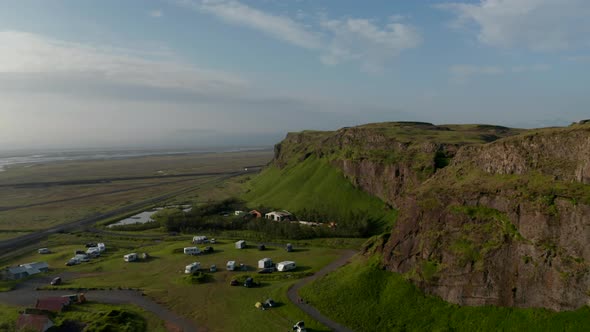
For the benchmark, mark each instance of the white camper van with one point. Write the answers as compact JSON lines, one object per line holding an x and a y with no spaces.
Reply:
{"x":130,"y":257}
{"x":286,"y":266}
{"x":264,"y":263}
{"x":192,"y":251}
{"x":241,"y":244}
{"x":192,"y":267}
{"x":231,"y":265}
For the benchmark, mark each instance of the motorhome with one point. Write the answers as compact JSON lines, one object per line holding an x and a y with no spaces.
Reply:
{"x":192,"y":251}
{"x":265,"y":263}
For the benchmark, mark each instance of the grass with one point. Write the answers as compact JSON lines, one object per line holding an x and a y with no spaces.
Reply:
{"x":106,"y":317}
{"x":8,"y":317}
{"x":210,"y":304}
{"x":364,"y":297}
{"x":61,"y":204}
{"x":313,"y":185}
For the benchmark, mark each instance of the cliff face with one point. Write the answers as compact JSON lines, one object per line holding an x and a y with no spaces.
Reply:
{"x":486,"y":216}
{"x":387,"y":159}
{"x":508,"y":223}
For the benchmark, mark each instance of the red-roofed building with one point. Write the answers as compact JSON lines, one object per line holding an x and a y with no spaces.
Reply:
{"x":53,"y":304}
{"x":39,"y":323}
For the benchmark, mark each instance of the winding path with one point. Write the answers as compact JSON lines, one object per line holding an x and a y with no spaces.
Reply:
{"x":293,"y":293}
{"x":26,"y":294}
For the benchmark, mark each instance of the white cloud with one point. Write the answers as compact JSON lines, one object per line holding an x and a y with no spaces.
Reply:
{"x":538,"y":25}
{"x":338,"y":41}
{"x":156,"y":13}
{"x":280,"y":27}
{"x":363,"y":40}
{"x":30,"y":57}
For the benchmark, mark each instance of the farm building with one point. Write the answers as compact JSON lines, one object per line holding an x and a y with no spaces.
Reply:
{"x":279,"y":216}
{"x":241,"y":244}
{"x":25,"y":270}
{"x":264,"y":263}
{"x":31,"y":322}
{"x":53,"y":304}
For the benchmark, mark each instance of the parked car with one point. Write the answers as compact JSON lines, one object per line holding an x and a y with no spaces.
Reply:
{"x":56,"y":281}
{"x":261,"y":247}
{"x":72,"y":261}
{"x":270,"y":303}
{"x":79,"y":252}
{"x":213,"y":268}
{"x":267,"y":270}
{"x":44,"y":251}
{"x":90,"y":244}
{"x":212,"y":241}
{"x":234,"y":282}
{"x":249,"y":282}
{"x":207,"y":250}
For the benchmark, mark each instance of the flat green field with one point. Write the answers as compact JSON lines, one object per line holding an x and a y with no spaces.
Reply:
{"x":215,"y":304}
{"x":26,"y":209}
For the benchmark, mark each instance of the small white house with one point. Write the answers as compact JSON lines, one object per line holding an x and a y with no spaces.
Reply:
{"x":199,"y":239}
{"x":192,"y":267}
{"x":286,"y":266}
{"x":231,"y":265}
{"x":44,"y":251}
{"x":130,"y":257}
{"x":278,"y":215}
{"x":241,"y":244}
{"x":264,"y":263}
{"x":192,"y":251}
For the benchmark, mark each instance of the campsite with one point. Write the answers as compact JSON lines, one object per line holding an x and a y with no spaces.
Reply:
{"x":162,"y":278}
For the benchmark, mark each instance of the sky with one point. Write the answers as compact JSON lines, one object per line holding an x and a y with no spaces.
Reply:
{"x":194,"y":73}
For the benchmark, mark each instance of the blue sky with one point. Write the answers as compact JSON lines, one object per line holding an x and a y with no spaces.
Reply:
{"x":202,"y":72}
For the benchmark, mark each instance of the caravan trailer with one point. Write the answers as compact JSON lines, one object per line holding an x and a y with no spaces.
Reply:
{"x":192,"y":251}
{"x":286,"y":266}
{"x":231,"y":265}
{"x":265,"y":263}
{"x":191,"y":268}
{"x":241,"y":244}
{"x":130,"y":257}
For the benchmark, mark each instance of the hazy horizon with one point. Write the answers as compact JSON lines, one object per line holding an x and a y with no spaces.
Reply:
{"x":193,"y":73}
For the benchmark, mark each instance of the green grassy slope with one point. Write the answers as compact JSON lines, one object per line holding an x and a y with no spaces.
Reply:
{"x":313,"y":185}
{"x":366,"y":298}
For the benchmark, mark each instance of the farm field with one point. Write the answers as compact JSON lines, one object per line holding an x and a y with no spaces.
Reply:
{"x":26,"y":209}
{"x":210,"y":304}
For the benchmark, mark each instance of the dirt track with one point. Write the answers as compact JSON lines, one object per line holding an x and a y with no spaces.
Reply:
{"x":293,"y":293}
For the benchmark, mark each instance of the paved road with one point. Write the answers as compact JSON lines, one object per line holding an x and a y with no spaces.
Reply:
{"x":26,"y":295}
{"x":293,"y":293}
{"x":10,"y":246}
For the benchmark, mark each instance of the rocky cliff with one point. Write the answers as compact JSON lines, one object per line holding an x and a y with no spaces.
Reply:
{"x":488,"y":215}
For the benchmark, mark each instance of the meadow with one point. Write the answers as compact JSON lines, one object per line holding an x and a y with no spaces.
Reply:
{"x":365,"y":297}
{"x":214,"y":304}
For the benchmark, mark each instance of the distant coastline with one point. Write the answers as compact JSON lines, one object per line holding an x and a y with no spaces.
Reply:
{"x":12,"y":158}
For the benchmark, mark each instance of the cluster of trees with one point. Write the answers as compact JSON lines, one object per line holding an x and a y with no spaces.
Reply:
{"x":219,"y":217}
